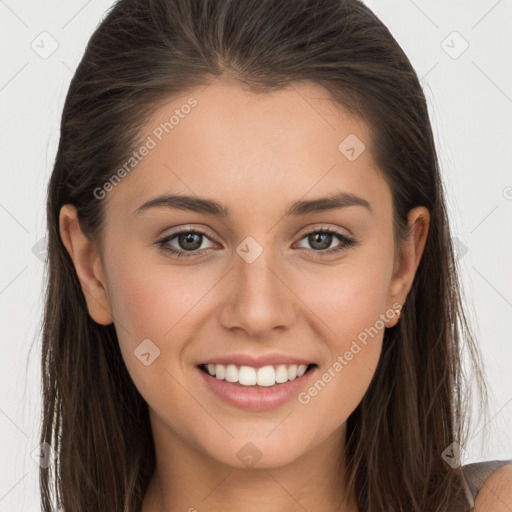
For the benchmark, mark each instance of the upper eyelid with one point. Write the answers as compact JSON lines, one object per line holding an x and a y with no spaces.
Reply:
{"x":180,"y":231}
{"x":200,"y":231}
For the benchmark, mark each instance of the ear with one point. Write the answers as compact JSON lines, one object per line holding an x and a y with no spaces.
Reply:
{"x":408,"y":259}
{"x":87,"y":262}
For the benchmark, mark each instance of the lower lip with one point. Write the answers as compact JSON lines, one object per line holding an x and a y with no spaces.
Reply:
{"x":257,"y":398}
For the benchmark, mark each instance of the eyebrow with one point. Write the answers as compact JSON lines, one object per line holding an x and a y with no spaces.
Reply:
{"x":212,"y":207}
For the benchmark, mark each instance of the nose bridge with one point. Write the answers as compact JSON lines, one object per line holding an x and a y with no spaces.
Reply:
{"x":258,"y":277}
{"x":259,"y":299}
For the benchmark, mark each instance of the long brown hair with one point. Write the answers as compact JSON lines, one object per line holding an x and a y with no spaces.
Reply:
{"x":143,"y":53}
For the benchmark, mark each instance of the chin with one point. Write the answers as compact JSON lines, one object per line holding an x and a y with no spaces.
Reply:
{"x":259,"y":451}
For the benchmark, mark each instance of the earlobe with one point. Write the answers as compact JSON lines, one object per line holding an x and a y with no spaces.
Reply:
{"x":409,"y":257}
{"x":87,"y":263}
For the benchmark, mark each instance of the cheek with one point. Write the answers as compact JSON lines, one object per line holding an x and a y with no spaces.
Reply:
{"x":339,"y":387}
{"x":350,"y":299}
{"x":151,"y":298}
{"x":156,"y":303}
{"x":350,"y":308}
{"x":344,"y":377}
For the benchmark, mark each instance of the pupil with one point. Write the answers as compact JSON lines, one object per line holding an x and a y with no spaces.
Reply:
{"x":189,"y":238}
{"x":324,"y":245}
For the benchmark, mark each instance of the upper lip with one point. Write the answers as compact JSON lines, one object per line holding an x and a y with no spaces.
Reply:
{"x":256,"y":361}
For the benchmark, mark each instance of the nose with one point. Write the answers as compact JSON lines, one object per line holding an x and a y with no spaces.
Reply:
{"x":259,"y":301}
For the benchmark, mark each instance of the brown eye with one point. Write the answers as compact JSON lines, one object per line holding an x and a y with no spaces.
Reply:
{"x":188,"y":243}
{"x":320,"y":241}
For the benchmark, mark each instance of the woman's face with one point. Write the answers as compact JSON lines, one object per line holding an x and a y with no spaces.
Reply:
{"x":252,"y":282}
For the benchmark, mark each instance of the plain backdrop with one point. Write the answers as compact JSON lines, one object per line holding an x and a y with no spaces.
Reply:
{"x":460,"y":50}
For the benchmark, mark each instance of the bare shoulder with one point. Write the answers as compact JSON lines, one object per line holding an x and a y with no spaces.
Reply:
{"x":495,"y":495}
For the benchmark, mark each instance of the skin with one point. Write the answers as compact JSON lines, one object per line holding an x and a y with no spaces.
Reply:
{"x":496,"y":493}
{"x":265,"y":152}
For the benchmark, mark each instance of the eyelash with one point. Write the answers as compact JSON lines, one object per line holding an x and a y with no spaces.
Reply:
{"x":347,"y":242}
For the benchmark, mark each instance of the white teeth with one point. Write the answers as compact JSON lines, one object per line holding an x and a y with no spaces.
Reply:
{"x":248,"y":376}
{"x":231,"y":374}
{"x":281,"y":374}
{"x":266,"y":376}
{"x":301,"y":370}
{"x":220,"y":371}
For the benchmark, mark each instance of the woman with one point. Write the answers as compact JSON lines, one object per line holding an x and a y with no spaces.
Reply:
{"x":252,"y":299}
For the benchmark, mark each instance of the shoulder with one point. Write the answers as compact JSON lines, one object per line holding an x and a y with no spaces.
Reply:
{"x":495,"y":494}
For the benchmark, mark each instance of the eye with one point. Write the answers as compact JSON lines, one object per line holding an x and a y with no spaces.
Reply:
{"x":188,"y":241}
{"x":321,"y":239}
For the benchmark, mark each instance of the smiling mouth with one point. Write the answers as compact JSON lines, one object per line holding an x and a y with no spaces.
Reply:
{"x":265,"y":376}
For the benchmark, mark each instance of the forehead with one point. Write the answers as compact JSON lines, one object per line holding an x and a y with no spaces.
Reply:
{"x":248,"y":149}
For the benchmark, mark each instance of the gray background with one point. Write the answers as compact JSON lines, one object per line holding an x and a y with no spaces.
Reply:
{"x":469,"y":91}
